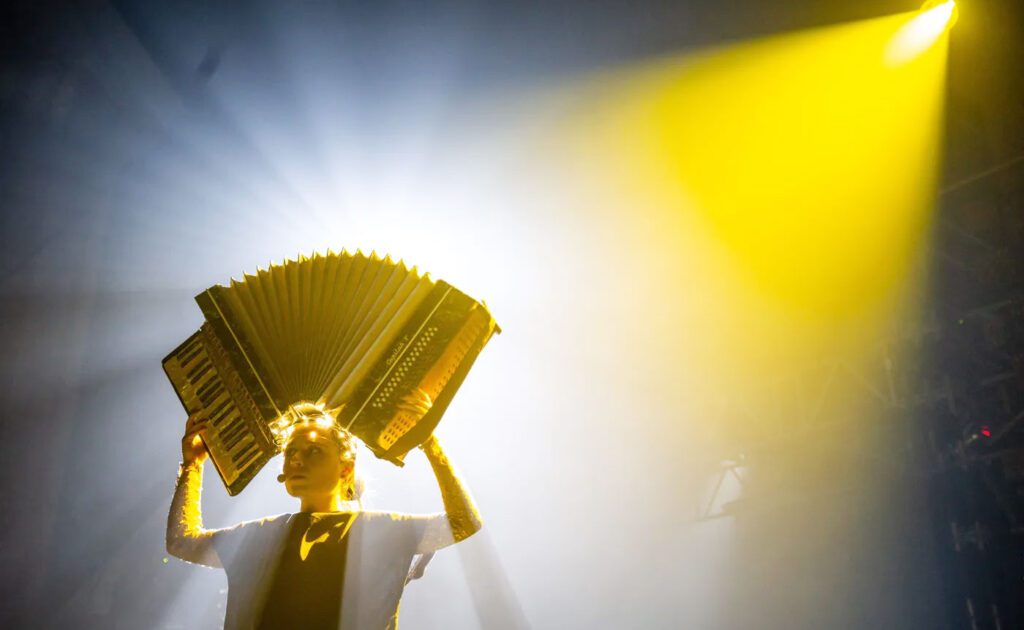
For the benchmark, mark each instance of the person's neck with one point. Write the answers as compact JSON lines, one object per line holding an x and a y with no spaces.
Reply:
{"x":329,"y":503}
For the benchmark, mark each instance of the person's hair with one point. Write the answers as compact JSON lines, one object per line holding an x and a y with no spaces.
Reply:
{"x":312,"y":415}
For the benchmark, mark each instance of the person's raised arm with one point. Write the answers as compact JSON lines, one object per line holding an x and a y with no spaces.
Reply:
{"x":461,"y":518}
{"x":186,"y":537}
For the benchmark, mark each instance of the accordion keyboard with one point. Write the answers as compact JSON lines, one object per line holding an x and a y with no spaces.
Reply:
{"x":234,"y":445}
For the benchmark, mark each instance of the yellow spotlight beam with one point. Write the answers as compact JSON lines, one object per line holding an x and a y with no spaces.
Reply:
{"x":772,"y":199}
{"x":807,"y":157}
{"x":920,"y":33}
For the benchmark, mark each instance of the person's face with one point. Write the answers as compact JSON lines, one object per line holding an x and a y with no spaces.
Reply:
{"x":313,"y":465}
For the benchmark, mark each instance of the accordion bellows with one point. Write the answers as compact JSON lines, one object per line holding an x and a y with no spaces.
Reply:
{"x":348,"y":331}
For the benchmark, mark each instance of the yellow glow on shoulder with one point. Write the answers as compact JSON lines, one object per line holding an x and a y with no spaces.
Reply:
{"x":923,"y":30}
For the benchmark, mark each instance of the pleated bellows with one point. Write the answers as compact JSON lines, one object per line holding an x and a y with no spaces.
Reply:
{"x":317,"y":324}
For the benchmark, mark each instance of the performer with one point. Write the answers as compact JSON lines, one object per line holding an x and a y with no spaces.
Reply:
{"x":332,"y":564}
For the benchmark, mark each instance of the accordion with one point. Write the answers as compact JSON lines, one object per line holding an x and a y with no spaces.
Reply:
{"x":353,"y":332}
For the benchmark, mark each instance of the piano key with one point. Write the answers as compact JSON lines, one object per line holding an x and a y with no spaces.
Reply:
{"x":234,"y":424}
{"x":237,"y":436}
{"x":202,"y":375}
{"x":208,"y":381}
{"x":203,"y":379}
{"x":241,"y":456}
{"x":190,"y":345}
{"x":231,"y":435}
{"x":230,"y":423}
{"x":220,"y":409}
{"x":186,"y":357}
{"x":213,"y":396}
{"x":240,"y":445}
{"x":226,"y":419}
{"x":240,"y":441}
{"x":250,"y":459}
{"x":210,"y":390}
{"x":196,"y":371}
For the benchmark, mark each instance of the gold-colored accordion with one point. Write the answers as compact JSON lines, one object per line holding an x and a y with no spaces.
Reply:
{"x":351,"y":331}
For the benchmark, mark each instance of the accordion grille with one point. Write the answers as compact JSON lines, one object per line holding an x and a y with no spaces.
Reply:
{"x":427,"y":371}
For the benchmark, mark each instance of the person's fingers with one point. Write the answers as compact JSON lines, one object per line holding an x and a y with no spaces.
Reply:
{"x":424,"y":396}
{"x":195,"y":424}
{"x":414,"y":408}
{"x":418,"y":396}
{"x":417,"y":402}
{"x":193,"y":437}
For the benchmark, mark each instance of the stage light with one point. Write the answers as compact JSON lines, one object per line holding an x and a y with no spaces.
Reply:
{"x":948,"y":8}
{"x":918,"y":35}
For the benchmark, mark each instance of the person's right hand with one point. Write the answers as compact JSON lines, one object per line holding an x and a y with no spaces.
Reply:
{"x":192,"y":447}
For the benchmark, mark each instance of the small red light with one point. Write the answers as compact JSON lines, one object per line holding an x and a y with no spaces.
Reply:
{"x":986,"y":432}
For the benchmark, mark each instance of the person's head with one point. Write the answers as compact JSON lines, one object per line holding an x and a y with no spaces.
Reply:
{"x":319,"y":455}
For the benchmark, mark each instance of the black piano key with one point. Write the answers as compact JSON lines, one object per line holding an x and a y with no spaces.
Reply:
{"x":233,"y":425}
{"x":239,"y":456}
{"x":191,"y":344}
{"x":238,"y":435}
{"x":222,"y":409}
{"x":203,"y":378}
{"x":211,"y":396}
{"x":196,"y":372}
{"x":187,"y":356}
{"x":249,"y":460}
{"x":207,"y":381}
{"x":229,"y":422}
{"x":210,"y":390}
{"x":237,"y":429}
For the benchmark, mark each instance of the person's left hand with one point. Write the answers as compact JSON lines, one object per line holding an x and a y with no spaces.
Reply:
{"x":416,"y":403}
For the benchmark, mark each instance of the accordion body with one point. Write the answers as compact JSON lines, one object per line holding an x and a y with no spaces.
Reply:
{"x":352,"y":332}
